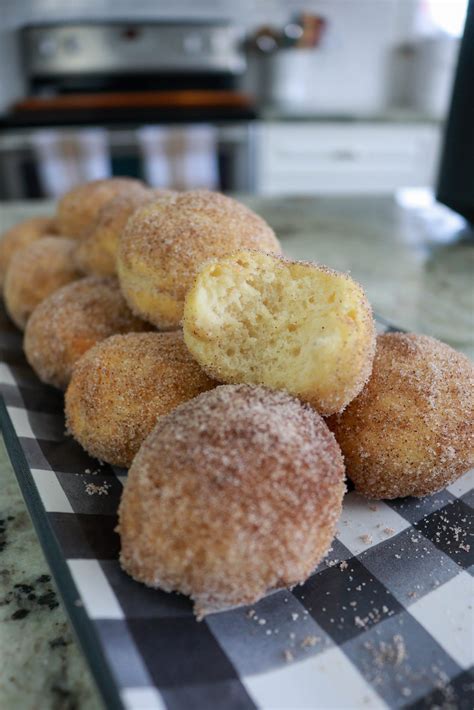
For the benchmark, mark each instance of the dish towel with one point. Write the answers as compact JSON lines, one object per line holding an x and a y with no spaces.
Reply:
{"x":67,"y":158}
{"x":181,"y":158}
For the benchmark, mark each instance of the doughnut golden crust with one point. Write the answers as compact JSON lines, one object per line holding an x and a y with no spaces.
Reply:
{"x":35,"y":272}
{"x":235,"y":493}
{"x":96,"y":252}
{"x":122,"y":385}
{"x":70,"y":321}
{"x":291,"y":325}
{"x":164,"y":244}
{"x":78,"y":208}
{"x":20,"y":236}
{"x":411,"y":430}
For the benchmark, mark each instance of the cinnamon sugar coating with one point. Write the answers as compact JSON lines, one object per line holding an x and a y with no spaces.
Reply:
{"x":411,"y":430}
{"x":70,"y":321}
{"x":233,"y":494}
{"x":122,"y":385}
{"x":35,"y":272}
{"x":78,"y":209}
{"x":19,"y":236}
{"x":96,"y":253}
{"x":164,"y":244}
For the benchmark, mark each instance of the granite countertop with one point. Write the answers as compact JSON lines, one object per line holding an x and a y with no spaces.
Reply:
{"x":416,"y":263}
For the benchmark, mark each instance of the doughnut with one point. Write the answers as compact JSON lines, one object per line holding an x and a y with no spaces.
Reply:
{"x":78,"y":208}
{"x":162,"y":193}
{"x":70,"y":321}
{"x":410,"y":432}
{"x":164,"y":243}
{"x":122,"y":385}
{"x":235,"y":493}
{"x":96,"y":251}
{"x":19,"y":236}
{"x":35,"y":272}
{"x":292,"y":325}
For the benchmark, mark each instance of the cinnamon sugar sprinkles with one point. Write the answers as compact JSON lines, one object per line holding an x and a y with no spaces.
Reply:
{"x":96,"y":251}
{"x":411,"y":430}
{"x":70,"y":321}
{"x":165,"y":242}
{"x":233,"y":490}
{"x":234,"y":493}
{"x":19,"y":236}
{"x":121,"y":386}
{"x":35,"y":272}
{"x":78,"y":209}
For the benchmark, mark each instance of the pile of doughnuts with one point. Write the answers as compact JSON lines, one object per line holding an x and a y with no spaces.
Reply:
{"x":239,"y":387}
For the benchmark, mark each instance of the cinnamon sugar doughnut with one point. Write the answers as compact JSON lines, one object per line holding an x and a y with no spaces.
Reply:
{"x":78,"y":208}
{"x":292,"y":325}
{"x":233,"y":494}
{"x":70,"y":321}
{"x":411,"y":430}
{"x":164,"y":244}
{"x":35,"y":272}
{"x":19,"y":236}
{"x":122,"y":385}
{"x":96,"y":252}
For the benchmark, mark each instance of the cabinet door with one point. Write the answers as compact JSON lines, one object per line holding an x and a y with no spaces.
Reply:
{"x":318,"y":158}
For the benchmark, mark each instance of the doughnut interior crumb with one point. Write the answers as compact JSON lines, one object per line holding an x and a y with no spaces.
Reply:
{"x":165,"y":242}
{"x":297,"y":326}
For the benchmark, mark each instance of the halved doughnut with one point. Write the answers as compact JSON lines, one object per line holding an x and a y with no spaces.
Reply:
{"x":292,"y":325}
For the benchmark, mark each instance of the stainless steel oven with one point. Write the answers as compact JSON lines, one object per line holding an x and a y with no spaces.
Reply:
{"x":22,"y":166}
{"x":129,"y":98}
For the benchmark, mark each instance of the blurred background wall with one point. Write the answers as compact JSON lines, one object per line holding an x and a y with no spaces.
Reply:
{"x":378,"y":76}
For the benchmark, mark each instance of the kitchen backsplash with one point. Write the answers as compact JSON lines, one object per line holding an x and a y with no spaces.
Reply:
{"x":351,"y":70}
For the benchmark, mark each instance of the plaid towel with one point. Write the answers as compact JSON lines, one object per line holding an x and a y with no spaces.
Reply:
{"x":179,"y":158}
{"x":66,"y":158}
{"x":175,"y":158}
{"x":384,"y":622}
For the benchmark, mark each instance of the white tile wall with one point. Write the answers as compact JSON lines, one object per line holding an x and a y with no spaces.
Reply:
{"x":350,"y":70}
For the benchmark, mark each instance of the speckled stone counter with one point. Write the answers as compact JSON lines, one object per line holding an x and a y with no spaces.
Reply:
{"x":417,"y":265}
{"x":41,"y":666}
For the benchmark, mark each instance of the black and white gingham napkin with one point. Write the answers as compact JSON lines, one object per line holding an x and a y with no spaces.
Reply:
{"x":385,"y":621}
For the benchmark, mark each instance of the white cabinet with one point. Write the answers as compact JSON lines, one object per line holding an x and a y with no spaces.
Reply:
{"x":294,"y":157}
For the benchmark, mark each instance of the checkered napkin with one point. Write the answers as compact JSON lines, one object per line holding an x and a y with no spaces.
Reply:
{"x":385,"y":621}
{"x":179,"y":158}
{"x":68,"y":157}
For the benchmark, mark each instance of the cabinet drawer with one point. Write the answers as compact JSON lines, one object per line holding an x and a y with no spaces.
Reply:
{"x":345,"y":157}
